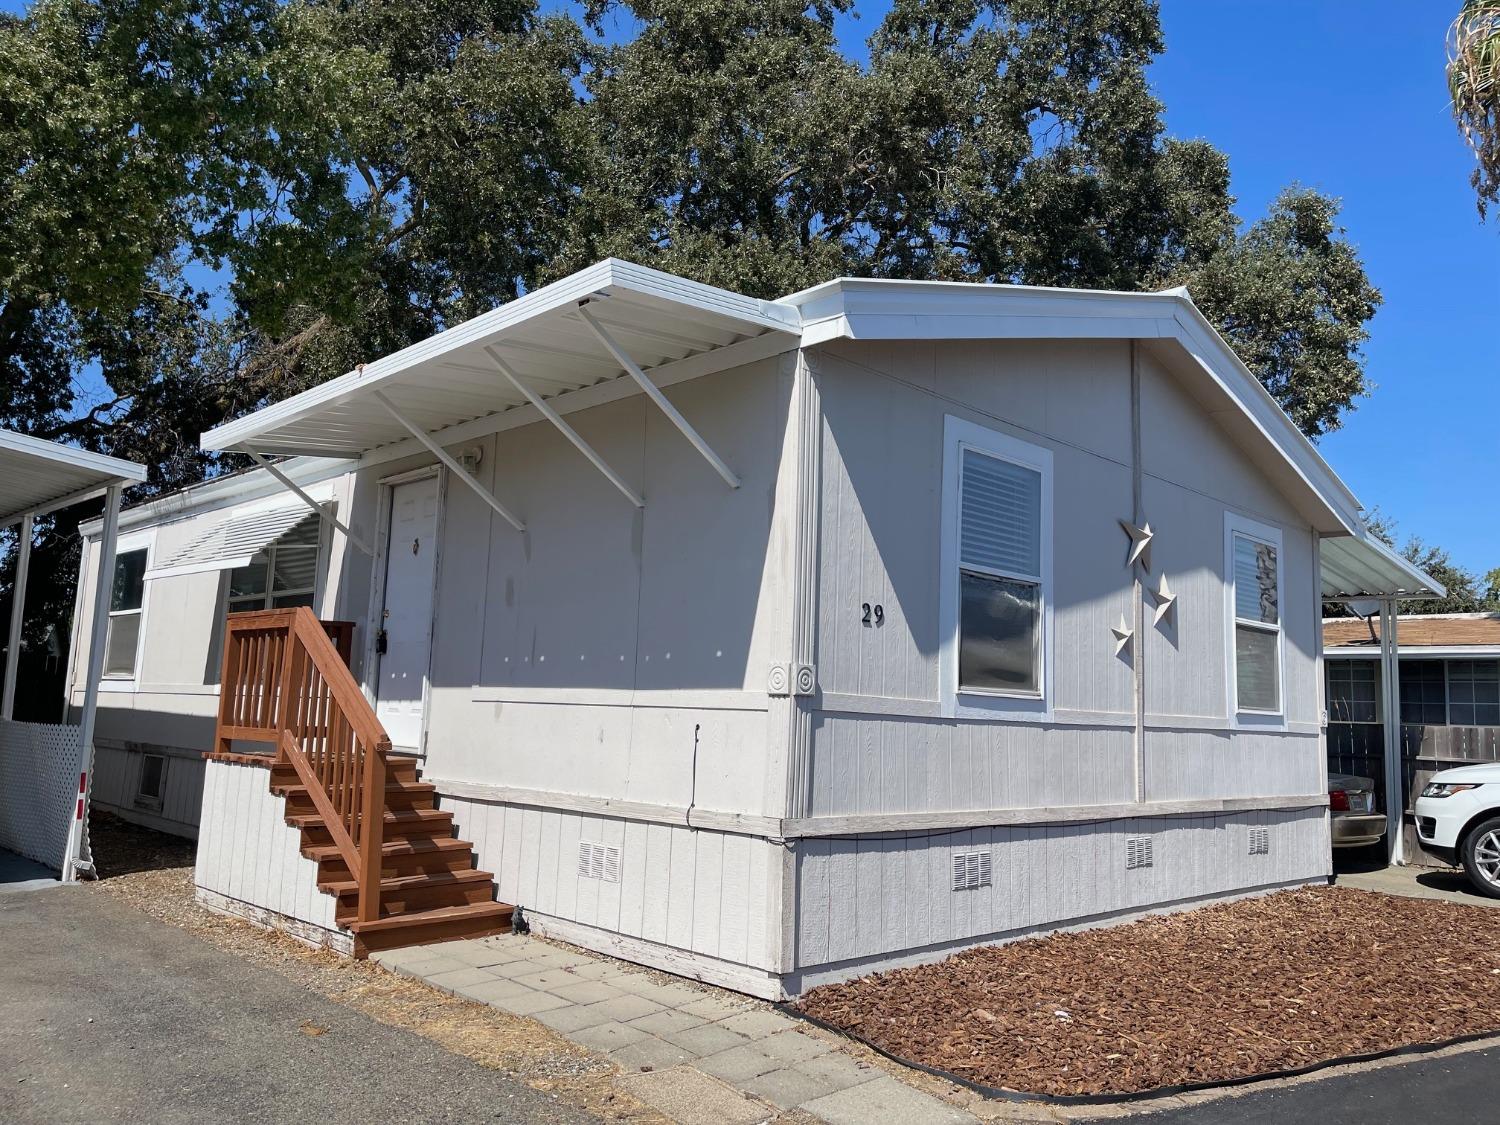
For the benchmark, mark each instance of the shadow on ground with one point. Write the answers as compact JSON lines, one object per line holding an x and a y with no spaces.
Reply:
{"x":122,"y":848}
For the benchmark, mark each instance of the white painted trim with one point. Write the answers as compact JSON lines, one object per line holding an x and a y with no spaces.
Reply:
{"x":694,"y":699}
{"x":681,"y":962}
{"x":1416,"y":652}
{"x":1240,"y":718}
{"x":861,"y":824}
{"x":958,"y":435}
{"x":774,"y":828}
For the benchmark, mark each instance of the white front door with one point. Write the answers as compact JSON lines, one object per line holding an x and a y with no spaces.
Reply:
{"x":410,"y":555}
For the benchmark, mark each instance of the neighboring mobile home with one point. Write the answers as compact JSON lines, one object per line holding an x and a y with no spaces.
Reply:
{"x":1447,"y":688}
{"x":773,"y":642}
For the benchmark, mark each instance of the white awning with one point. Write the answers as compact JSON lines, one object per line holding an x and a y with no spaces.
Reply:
{"x":234,"y":542}
{"x":665,"y":325}
{"x":41,"y":476}
{"x":1356,"y":567}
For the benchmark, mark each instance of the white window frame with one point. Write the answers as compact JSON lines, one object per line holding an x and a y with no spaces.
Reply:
{"x":1242,"y":527}
{"x":124,"y":545}
{"x":958,"y":435}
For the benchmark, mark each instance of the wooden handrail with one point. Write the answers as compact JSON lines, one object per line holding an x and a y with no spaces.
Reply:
{"x":286,"y":682}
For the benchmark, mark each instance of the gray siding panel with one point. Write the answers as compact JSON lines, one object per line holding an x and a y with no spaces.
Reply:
{"x":870,"y":898}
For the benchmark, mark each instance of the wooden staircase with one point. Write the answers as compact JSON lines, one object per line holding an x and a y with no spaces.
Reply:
{"x":384,"y":851}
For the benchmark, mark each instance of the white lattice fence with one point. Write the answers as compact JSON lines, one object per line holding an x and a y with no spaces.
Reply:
{"x":39,"y":764}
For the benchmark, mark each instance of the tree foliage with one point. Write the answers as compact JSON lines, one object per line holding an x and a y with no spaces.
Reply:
{"x":1474,"y":83}
{"x":208,"y":204}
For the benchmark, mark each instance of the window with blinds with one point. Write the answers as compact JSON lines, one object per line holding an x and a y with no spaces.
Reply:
{"x":1255,"y":592}
{"x":1000,"y":574}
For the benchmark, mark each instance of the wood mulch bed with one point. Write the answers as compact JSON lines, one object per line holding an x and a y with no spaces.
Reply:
{"x":1274,"y":983}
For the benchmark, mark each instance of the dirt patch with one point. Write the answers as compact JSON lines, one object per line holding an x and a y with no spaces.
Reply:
{"x":1271,"y":983}
{"x":154,"y":872}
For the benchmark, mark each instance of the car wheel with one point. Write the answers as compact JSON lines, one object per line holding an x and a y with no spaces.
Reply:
{"x":1481,"y":856}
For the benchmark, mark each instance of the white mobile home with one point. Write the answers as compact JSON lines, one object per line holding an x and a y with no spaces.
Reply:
{"x":773,"y":642}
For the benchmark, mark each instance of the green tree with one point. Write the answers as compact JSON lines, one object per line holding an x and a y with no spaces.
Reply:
{"x":1474,"y":83}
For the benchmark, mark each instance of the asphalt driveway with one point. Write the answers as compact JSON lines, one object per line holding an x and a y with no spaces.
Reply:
{"x":109,"y":1015}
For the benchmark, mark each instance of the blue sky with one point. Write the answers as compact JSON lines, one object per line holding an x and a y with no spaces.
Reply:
{"x":1349,"y":98}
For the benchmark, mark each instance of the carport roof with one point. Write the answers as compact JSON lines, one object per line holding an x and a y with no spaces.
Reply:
{"x":41,"y":476}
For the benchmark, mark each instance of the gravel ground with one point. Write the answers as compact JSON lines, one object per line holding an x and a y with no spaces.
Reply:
{"x":154,"y":873}
{"x":1264,"y":984}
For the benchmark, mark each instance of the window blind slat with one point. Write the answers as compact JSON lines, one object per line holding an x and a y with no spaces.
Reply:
{"x":1000,"y":515}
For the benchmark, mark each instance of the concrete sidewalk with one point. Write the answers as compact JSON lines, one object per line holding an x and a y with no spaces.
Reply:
{"x":701,"y":1055}
{"x":1442,"y":884}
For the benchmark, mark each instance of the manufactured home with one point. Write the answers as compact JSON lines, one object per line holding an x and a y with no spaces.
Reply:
{"x":767,"y":642}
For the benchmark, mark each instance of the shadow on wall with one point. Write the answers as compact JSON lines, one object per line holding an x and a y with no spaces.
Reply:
{"x":596,"y":593}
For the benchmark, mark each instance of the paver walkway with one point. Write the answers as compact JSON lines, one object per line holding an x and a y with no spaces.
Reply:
{"x":697,"y":1055}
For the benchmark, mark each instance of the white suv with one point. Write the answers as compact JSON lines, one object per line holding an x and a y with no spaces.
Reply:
{"x":1458,"y":822}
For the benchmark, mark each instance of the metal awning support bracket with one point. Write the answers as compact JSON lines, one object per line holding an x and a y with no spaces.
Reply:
{"x":17,"y":616}
{"x":653,"y":392}
{"x":425,"y":440}
{"x":546,"y":411}
{"x":321,"y":511}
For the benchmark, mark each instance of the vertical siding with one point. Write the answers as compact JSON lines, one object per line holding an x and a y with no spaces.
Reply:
{"x":246,"y":850}
{"x":696,"y":890}
{"x":870,"y":898}
{"x":117,"y":779}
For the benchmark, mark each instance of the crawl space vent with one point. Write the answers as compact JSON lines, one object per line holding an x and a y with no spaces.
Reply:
{"x":1260,"y":840}
{"x":1138,"y":852}
{"x":971,"y":870}
{"x":598,"y":861}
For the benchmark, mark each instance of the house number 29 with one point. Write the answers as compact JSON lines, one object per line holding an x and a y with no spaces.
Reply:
{"x":873,"y":615}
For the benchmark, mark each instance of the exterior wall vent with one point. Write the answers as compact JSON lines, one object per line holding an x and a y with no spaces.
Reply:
{"x":971,"y":870}
{"x":1139,"y":852}
{"x":598,"y":861}
{"x":1260,"y":840}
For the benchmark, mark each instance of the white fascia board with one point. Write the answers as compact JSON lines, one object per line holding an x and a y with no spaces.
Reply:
{"x":871,"y":309}
{"x":110,"y":469}
{"x":1372,"y":652}
{"x":601,"y":277}
{"x":224,"y":492}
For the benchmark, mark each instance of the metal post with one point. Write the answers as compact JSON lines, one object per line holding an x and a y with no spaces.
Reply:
{"x":98,"y":637}
{"x":17,"y":617}
{"x":1390,"y":691}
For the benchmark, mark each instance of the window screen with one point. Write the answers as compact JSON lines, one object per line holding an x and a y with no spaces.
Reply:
{"x":1000,"y":591}
{"x":1424,"y":697}
{"x":1474,"y":693}
{"x":1353,"y":691}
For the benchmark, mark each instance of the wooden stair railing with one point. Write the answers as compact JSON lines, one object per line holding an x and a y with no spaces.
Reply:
{"x":286,"y":683}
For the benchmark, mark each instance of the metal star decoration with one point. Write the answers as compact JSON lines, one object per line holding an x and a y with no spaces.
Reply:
{"x":1164,"y":599}
{"x":1123,"y":634}
{"x":1140,"y":543}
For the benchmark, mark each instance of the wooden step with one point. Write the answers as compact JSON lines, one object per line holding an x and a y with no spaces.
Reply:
{"x":407,"y":893}
{"x":423,"y":927}
{"x":399,"y":767}
{"x":406,"y":824}
{"x":399,"y":795}
{"x":423,"y":855}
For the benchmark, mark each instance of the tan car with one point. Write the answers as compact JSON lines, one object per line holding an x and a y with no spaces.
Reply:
{"x":1351,"y":804}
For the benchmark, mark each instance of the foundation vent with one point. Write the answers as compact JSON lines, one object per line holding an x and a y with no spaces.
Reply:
{"x":1138,"y":852}
{"x":598,"y":861}
{"x":971,"y":870}
{"x":1260,"y":840}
